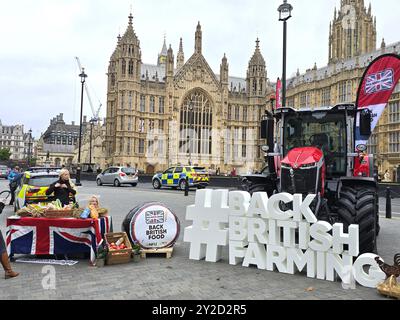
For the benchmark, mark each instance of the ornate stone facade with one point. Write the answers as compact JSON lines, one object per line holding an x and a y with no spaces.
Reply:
{"x":352,"y":46}
{"x":162,"y":115}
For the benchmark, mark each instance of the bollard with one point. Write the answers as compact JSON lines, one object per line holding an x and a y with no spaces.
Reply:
{"x":388,"y":204}
{"x":187,"y":187}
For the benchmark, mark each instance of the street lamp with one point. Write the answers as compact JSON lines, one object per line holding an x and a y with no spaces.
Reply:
{"x":83,"y":76}
{"x":285,"y":13}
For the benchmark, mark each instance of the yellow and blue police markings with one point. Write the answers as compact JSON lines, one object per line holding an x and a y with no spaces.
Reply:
{"x":170,"y":178}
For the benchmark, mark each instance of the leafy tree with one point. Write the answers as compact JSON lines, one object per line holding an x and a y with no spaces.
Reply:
{"x":5,"y":154}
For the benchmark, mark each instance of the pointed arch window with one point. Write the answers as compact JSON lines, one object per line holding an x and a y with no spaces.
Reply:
{"x":130,"y":68}
{"x":196,"y":124}
{"x":123,"y":67}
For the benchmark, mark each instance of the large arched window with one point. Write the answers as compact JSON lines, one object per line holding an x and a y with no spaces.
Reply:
{"x":196,"y":124}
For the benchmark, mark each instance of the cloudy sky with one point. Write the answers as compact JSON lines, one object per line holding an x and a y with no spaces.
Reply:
{"x":40,"y":38}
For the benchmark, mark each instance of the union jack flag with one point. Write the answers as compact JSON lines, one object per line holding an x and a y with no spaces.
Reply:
{"x":154,"y":216}
{"x":41,"y":236}
{"x":380,"y":81}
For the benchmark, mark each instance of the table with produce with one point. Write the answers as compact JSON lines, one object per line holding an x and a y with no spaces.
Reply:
{"x":48,"y":228}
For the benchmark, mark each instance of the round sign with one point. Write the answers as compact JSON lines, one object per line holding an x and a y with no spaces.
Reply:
{"x":152,"y":226}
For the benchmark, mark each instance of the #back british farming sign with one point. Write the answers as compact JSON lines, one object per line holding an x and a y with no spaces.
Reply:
{"x":251,"y":228}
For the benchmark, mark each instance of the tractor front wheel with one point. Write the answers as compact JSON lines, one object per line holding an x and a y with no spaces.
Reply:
{"x":357,"y":205}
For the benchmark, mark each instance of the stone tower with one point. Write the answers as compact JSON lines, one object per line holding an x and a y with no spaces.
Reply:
{"x":180,"y":58}
{"x":123,"y":72}
{"x":352,"y":31}
{"x":162,"y":57}
{"x":256,"y":74}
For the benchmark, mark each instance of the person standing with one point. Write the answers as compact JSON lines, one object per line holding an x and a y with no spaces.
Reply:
{"x":62,"y":188}
{"x":14,"y":178}
{"x":5,"y":262}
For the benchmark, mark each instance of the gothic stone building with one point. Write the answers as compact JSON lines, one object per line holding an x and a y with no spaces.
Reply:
{"x":169,"y":114}
{"x":352,"y":46}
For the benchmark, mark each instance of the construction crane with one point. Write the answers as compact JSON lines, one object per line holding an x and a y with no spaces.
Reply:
{"x":95,"y":117}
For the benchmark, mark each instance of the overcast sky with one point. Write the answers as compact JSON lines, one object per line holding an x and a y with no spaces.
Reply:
{"x":40,"y":38}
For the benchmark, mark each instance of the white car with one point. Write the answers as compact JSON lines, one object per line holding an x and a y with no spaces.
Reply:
{"x":118,"y":176}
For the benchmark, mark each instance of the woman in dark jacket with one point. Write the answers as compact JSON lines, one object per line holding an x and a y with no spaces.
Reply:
{"x":62,"y":188}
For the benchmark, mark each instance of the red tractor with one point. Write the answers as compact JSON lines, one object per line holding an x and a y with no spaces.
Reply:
{"x":312,"y":152}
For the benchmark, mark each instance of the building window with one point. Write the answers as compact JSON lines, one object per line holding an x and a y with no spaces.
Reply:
{"x":160,"y":150}
{"x":113,"y":80}
{"x":122,"y":100}
{"x":303,"y":99}
{"x":130,"y":100}
{"x":230,"y":112}
{"x":244,"y":135}
{"x":196,"y":124}
{"x":345,"y":91}
{"x":130,"y":68}
{"x":151,"y":124}
{"x":123,"y":67}
{"x":161,"y":125}
{"x":237,"y":113}
{"x":161,"y":104}
{"x":129,"y":123}
{"x":394,"y":142}
{"x":243,"y":151}
{"x":141,"y":146}
{"x":244,"y":113}
{"x":152,"y":103}
{"x":142,"y":103}
{"x":326,"y":97}
{"x":394,"y":112}
{"x":373,"y":144}
{"x":141,"y":125}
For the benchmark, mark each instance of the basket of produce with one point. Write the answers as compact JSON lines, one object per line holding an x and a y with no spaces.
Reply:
{"x":119,"y":248}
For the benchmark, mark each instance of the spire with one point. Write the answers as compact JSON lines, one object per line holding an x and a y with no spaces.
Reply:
{"x":369,"y":9}
{"x":198,"y":39}
{"x":170,"y":62}
{"x":180,"y":58}
{"x":257,"y":59}
{"x":129,"y":36}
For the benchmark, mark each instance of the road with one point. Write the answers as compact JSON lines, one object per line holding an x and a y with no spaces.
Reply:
{"x":158,"y":278}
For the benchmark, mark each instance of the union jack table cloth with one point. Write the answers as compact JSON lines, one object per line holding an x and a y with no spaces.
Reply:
{"x":42,"y":236}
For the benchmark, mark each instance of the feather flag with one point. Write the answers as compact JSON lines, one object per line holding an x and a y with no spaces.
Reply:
{"x":376,"y":87}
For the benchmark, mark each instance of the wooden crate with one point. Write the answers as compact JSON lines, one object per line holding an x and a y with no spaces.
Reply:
{"x":166,"y":251}
{"x":118,"y":256}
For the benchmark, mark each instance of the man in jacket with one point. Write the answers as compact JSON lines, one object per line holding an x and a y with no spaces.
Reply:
{"x":14,"y":178}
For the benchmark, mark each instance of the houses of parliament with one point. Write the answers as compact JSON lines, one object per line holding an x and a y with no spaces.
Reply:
{"x":179,"y":111}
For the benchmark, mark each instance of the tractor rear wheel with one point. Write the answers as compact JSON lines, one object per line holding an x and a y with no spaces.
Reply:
{"x":357,"y":205}
{"x":251,"y":187}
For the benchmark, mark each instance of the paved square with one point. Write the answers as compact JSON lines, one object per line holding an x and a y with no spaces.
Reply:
{"x":158,"y":278}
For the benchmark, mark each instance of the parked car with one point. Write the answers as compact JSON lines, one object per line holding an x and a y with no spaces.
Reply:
{"x":4,"y":171}
{"x":118,"y":176}
{"x":176,"y":177}
{"x":34,"y":185}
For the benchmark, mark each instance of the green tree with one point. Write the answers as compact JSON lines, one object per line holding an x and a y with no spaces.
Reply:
{"x":5,"y":154}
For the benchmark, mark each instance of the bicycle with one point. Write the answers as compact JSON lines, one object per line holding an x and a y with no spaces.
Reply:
{"x":4,"y":197}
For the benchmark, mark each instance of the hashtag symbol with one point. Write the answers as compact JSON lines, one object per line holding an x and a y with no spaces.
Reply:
{"x":210,"y":216}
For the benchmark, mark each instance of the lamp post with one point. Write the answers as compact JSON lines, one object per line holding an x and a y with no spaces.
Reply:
{"x":29,"y":147}
{"x":83,"y":76}
{"x":285,"y":13}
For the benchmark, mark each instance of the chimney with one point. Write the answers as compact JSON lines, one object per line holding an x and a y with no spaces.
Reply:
{"x":73,"y":123}
{"x":61,"y":116}
{"x":84,"y":119}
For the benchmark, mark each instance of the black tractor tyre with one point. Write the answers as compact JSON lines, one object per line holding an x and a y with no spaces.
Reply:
{"x":357,"y":205}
